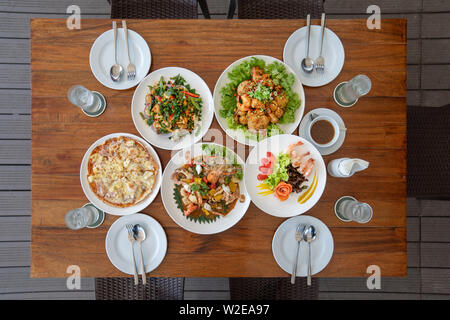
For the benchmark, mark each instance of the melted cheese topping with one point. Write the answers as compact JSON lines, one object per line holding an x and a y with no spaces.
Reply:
{"x":123,"y":171}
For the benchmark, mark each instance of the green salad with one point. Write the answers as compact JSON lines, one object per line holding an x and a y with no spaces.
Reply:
{"x":258,"y":97}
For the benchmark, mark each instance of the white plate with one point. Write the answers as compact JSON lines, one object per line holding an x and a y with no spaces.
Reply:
{"x":237,"y":134}
{"x":302,"y":130}
{"x":162,"y":140}
{"x":284,"y":246}
{"x":333,"y":53}
{"x":118,"y":247}
{"x":222,"y":223}
{"x":101,"y":58}
{"x":269,"y":203}
{"x":109,"y":208}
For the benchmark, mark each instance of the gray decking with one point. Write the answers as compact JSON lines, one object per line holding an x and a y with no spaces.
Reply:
{"x":428,"y":83}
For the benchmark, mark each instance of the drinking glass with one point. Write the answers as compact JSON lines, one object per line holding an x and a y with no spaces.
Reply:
{"x":81,"y":217}
{"x":348,"y":93}
{"x":354,"y":210}
{"x":84,"y":98}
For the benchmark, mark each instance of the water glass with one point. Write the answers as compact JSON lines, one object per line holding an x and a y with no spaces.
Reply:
{"x":353,"y":210}
{"x":84,"y":98}
{"x":81,"y":217}
{"x":351,"y":91}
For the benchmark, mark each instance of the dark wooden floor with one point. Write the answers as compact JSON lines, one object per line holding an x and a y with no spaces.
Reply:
{"x":428,"y":83}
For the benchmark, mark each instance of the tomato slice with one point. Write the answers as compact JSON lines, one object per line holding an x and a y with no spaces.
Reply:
{"x":265,"y":162}
{"x":261,"y":177}
{"x":265,"y":170}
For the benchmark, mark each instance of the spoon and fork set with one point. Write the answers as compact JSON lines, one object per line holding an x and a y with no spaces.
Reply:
{"x":116,"y":69}
{"x":308,"y":64}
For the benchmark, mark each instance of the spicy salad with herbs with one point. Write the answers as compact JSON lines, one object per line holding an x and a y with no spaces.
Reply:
{"x":172,"y":107}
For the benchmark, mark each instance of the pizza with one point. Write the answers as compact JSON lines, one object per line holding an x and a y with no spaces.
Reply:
{"x":121,"y":172}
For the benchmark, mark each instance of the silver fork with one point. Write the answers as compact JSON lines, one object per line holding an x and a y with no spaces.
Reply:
{"x":319,"y":64}
{"x":298,"y":238}
{"x":132,"y":240}
{"x":131,"y":69}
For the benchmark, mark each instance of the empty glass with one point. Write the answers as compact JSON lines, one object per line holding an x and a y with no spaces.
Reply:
{"x":81,"y":217}
{"x":351,"y":91}
{"x":353,"y":210}
{"x":84,"y":98}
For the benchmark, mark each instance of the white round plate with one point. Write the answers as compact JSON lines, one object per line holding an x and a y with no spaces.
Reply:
{"x":333,"y":53}
{"x":118,"y":247}
{"x":284,"y":246}
{"x":162,"y":140}
{"x":107,"y":207}
{"x":269,"y":203}
{"x":101,"y":58}
{"x":222,"y":223}
{"x":237,"y":134}
{"x":302,"y":130}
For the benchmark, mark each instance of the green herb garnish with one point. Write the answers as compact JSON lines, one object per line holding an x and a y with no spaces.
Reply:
{"x":262,"y":93}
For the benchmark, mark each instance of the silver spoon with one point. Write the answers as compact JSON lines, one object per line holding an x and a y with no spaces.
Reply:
{"x":298,"y":237}
{"x":307,"y":62}
{"x":116,"y":70}
{"x":139,"y":234}
{"x":309,"y":234}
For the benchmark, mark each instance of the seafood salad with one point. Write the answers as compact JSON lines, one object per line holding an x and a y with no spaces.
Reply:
{"x":288,"y":173}
{"x":172,"y":107}
{"x":207,"y":186}
{"x":258,"y":98}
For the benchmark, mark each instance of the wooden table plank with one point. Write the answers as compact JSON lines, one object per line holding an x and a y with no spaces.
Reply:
{"x":376,"y":132}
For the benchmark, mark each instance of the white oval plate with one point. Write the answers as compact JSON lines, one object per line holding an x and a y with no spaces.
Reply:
{"x":107,"y":207}
{"x":237,"y":134}
{"x":118,"y":247}
{"x":101,"y":58}
{"x":222,"y":223}
{"x":269,"y":203}
{"x":284,"y":246}
{"x":333,"y":53}
{"x":162,"y":140}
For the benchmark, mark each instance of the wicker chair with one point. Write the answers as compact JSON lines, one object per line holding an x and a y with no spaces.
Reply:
{"x":276,"y":9}
{"x":157,"y":9}
{"x":273,"y":289}
{"x":428,"y":152}
{"x":124,"y":289}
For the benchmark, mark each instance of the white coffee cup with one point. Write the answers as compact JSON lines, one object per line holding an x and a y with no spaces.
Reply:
{"x":335,"y":127}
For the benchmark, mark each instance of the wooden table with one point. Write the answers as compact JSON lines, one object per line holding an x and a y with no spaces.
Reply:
{"x":61,"y":134}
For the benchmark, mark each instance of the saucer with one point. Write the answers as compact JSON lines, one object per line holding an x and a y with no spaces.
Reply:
{"x":102,"y":106}
{"x":336,"y":205}
{"x":338,"y":101}
{"x":101,"y":216}
{"x":323,"y":111}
